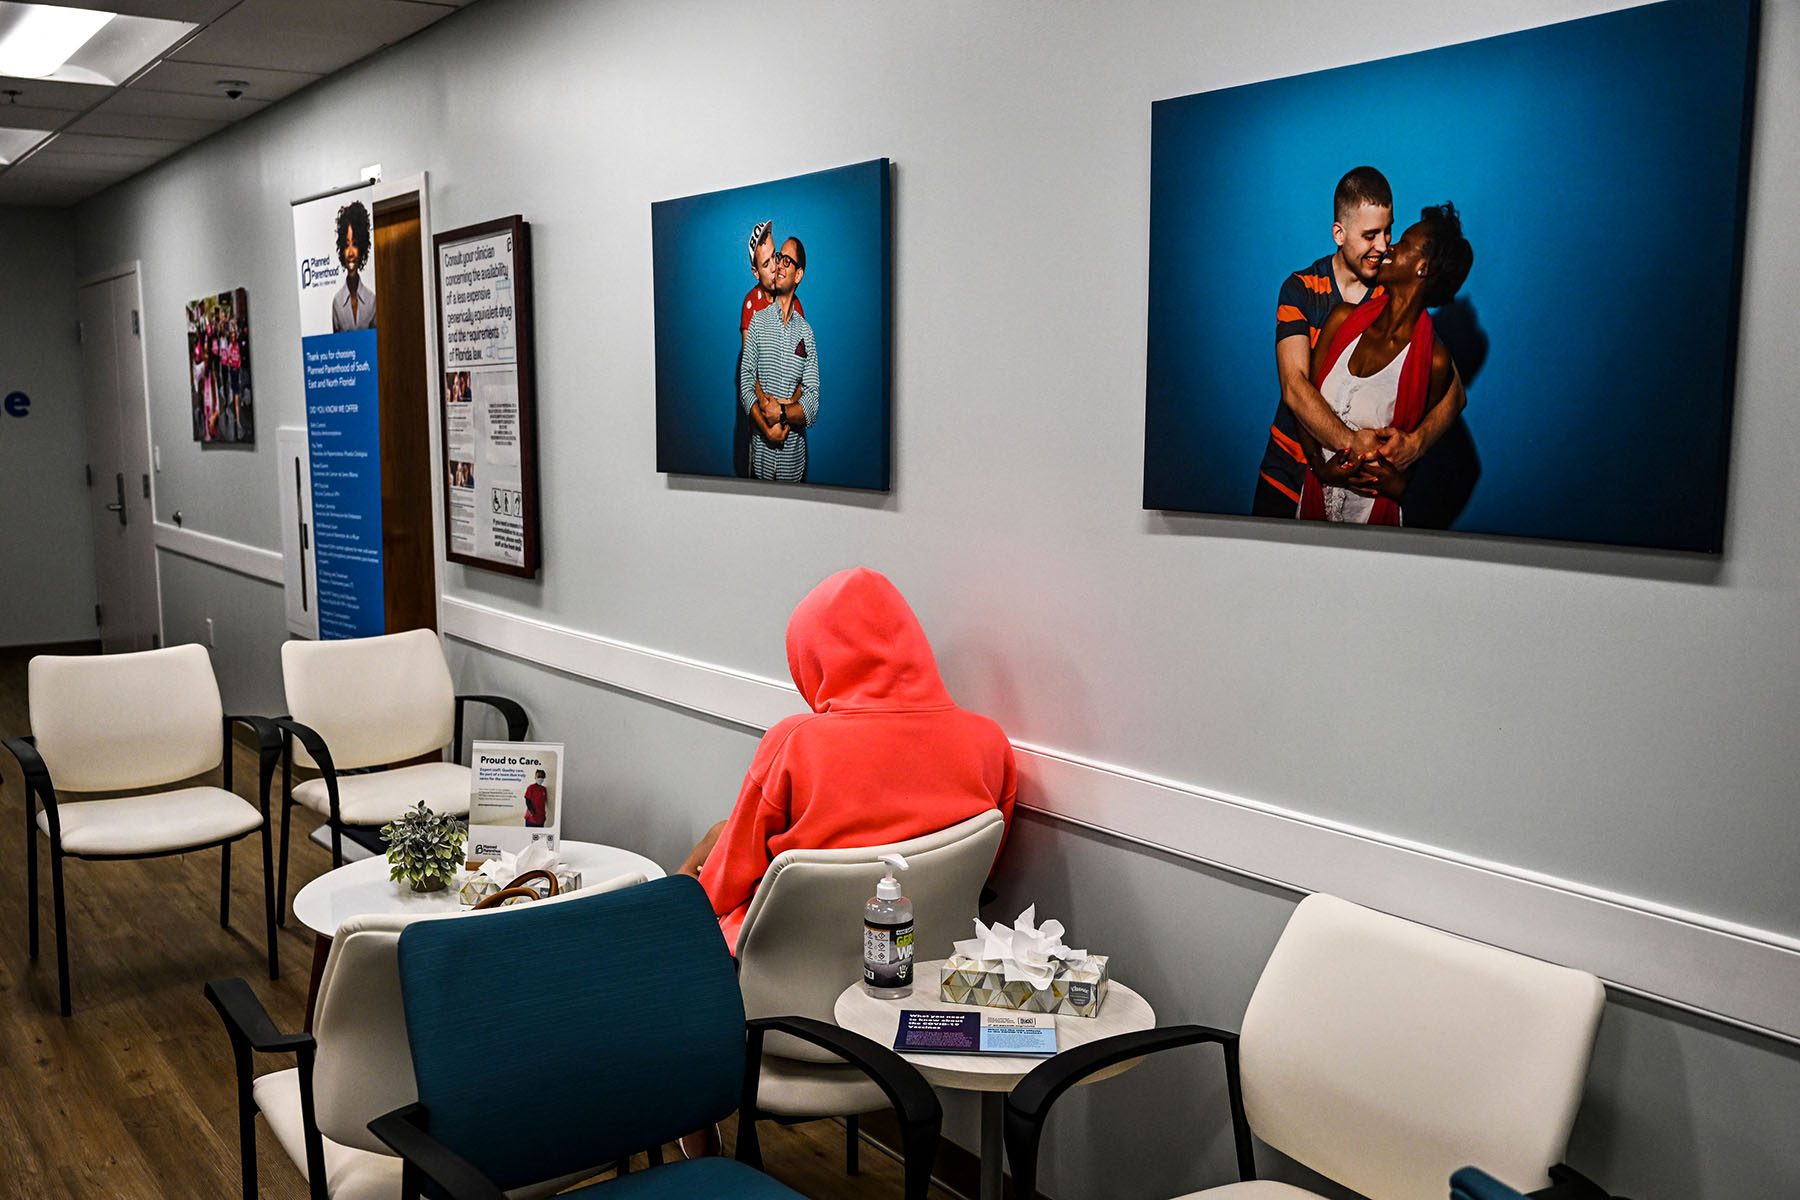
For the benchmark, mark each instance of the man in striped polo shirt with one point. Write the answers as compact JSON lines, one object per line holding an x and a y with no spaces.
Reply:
{"x":778,"y":375}
{"x":1362,"y":227}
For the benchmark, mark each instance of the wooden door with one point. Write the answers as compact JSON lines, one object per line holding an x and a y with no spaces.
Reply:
{"x":408,"y":548}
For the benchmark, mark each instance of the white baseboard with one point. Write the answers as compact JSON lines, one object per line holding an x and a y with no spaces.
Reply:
{"x":238,"y":557}
{"x":1744,"y":976}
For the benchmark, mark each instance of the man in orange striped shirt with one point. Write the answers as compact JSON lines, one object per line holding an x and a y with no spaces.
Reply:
{"x":1362,"y":226}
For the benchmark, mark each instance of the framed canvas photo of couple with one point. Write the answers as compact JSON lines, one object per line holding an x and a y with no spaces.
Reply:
{"x":773,"y":317}
{"x":1489,"y":288}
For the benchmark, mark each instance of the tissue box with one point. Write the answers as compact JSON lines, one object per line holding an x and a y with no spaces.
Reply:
{"x":1077,"y":990}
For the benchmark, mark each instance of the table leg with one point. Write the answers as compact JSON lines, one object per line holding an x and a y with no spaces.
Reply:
{"x":993,"y":1150}
{"x":321,"y":950}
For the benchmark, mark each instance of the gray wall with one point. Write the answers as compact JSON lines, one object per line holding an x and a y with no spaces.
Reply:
{"x":46,"y":540}
{"x":1614,"y":717}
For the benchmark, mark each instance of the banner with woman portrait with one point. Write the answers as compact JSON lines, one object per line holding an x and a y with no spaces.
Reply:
{"x":334,"y":254}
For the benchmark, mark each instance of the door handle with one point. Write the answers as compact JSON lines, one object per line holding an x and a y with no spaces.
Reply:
{"x":119,"y":482}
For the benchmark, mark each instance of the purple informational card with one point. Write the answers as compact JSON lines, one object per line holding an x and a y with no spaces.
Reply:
{"x":926,"y":1031}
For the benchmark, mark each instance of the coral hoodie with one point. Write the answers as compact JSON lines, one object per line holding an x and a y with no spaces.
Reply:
{"x":884,"y":755}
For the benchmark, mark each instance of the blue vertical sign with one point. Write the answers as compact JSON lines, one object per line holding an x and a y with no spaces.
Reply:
{"x":343,"y":428}
{"x":334,"y":258}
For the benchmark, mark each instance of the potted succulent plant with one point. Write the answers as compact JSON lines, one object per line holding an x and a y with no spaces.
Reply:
{"x":425,"y":848}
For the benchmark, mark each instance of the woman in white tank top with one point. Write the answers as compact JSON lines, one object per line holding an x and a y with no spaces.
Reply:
{"x":1361,"y":402}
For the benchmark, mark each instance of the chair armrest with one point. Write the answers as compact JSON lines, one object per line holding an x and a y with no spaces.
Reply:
{"x":268,"y":734}
{"x":24,"y":749}
{"x":517,"y":723}
{"x":268,"y":752}
{"x":1566,"y":1183}
{"x":921,"y":1116}
{"x":311,"y":739}
{"x":403,"y":1132}
{"x":248,"y":1022}
{"x":1028,"y":1104}
{"x":37,"y":782}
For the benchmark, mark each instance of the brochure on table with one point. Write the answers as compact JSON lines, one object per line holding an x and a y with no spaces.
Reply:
{"x":515,"y":798}
{"x":933,"y":1031}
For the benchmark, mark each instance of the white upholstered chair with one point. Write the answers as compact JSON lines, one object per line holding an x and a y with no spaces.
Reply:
{"x":1383,"y":1054}
{"x":801,"y":946}
{"x":134,"y":723}
{"x":360,"y":712}
{"x":354,"y":1065}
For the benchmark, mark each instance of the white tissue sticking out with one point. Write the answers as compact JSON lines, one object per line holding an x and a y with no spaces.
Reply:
{"x":1026,"y":953}
{"x":503,"y":868}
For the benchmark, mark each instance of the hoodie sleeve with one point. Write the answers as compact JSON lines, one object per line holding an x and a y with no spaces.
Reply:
{"x":1009,"y":793}
{"x":741,"y":856}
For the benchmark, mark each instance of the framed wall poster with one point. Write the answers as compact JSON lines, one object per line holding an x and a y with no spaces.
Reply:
{"x":516,"y":797}
{"x":1589,"y":347}
{"x":218,"y":340}
{"x":773,"y":310}
{"x":488,"y":396}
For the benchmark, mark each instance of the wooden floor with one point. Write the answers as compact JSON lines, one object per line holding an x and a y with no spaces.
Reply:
{"x":133,"y":1095}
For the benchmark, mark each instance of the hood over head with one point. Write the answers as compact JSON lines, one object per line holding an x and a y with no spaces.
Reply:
{"x":854,"y":643}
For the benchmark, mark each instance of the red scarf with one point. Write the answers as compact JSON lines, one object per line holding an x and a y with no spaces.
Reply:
{"x":1409,"y":402}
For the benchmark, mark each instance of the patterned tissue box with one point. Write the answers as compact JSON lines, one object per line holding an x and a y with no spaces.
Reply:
{"x":1077,"y":991}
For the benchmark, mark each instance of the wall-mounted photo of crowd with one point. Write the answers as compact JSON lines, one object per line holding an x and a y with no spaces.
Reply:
{"x":218,"y":335}
{"x":1479,"y":321}
{"x":772,"y":330}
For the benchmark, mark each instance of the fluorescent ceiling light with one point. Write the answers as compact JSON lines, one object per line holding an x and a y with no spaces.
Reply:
{"x":43,"y":37}
{"x":14,"y":142}
{"x":80,"y":45}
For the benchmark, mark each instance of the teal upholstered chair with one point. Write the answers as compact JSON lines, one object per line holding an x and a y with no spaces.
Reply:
{"x":1471,"y":1183}
{"x":620,"y":1027}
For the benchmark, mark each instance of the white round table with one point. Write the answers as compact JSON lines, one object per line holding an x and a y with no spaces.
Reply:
{"x":364,"y":887}
{"x":993,"y":1075}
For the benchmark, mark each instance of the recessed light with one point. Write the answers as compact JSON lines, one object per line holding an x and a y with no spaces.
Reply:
{"x":14,"y":142}
{"x":80,"y":45}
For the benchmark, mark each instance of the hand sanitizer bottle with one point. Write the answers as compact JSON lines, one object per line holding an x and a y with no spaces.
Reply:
{"x":888,"y":937}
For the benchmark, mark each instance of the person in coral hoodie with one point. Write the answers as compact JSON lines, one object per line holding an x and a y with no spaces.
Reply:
{"x":884,"y":755}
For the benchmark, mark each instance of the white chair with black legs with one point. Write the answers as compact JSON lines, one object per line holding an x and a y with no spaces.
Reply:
{"x":801,"y":946}
{"x":135,"y":723}
{"x":352,"y":1066}
{"x":1384,"y":1055}
{"x":360,"y":712}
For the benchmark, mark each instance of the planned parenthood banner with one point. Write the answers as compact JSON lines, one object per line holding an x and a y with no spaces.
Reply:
{"x":334,"y":255}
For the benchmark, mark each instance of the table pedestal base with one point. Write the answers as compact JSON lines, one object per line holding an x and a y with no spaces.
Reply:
{"x":993,"y":1148}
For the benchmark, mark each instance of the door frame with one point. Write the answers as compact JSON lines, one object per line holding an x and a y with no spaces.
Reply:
{"x":134,"y":268}
{"x":417,"y":185}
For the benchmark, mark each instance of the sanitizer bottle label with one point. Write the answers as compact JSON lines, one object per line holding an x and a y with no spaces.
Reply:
{"x":887,"y":955}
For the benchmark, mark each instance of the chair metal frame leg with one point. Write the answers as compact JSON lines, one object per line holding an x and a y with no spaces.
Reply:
{"x":31,"y":873}
{"x":852,"y":1145}
{"x":62,"y":931}
{"x":225,"y":886}
{"x":287,"y":821}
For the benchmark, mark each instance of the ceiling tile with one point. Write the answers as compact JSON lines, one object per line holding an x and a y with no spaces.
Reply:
{"x":46,"y":93}
{"x":16,"y":188}
{"x":103,"y":166}
{"x":307,"y":35}
{"x":140,"y":101}
{"x":129,"y":147}
{"x":180,"y":131}
{"x":201,"y":79}
{"x":19,"y":116}
{"x":197,"y":11}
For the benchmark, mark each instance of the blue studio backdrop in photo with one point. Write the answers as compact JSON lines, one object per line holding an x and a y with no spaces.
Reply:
{"x":701,"y":271}
{"x":1598,"y":166}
